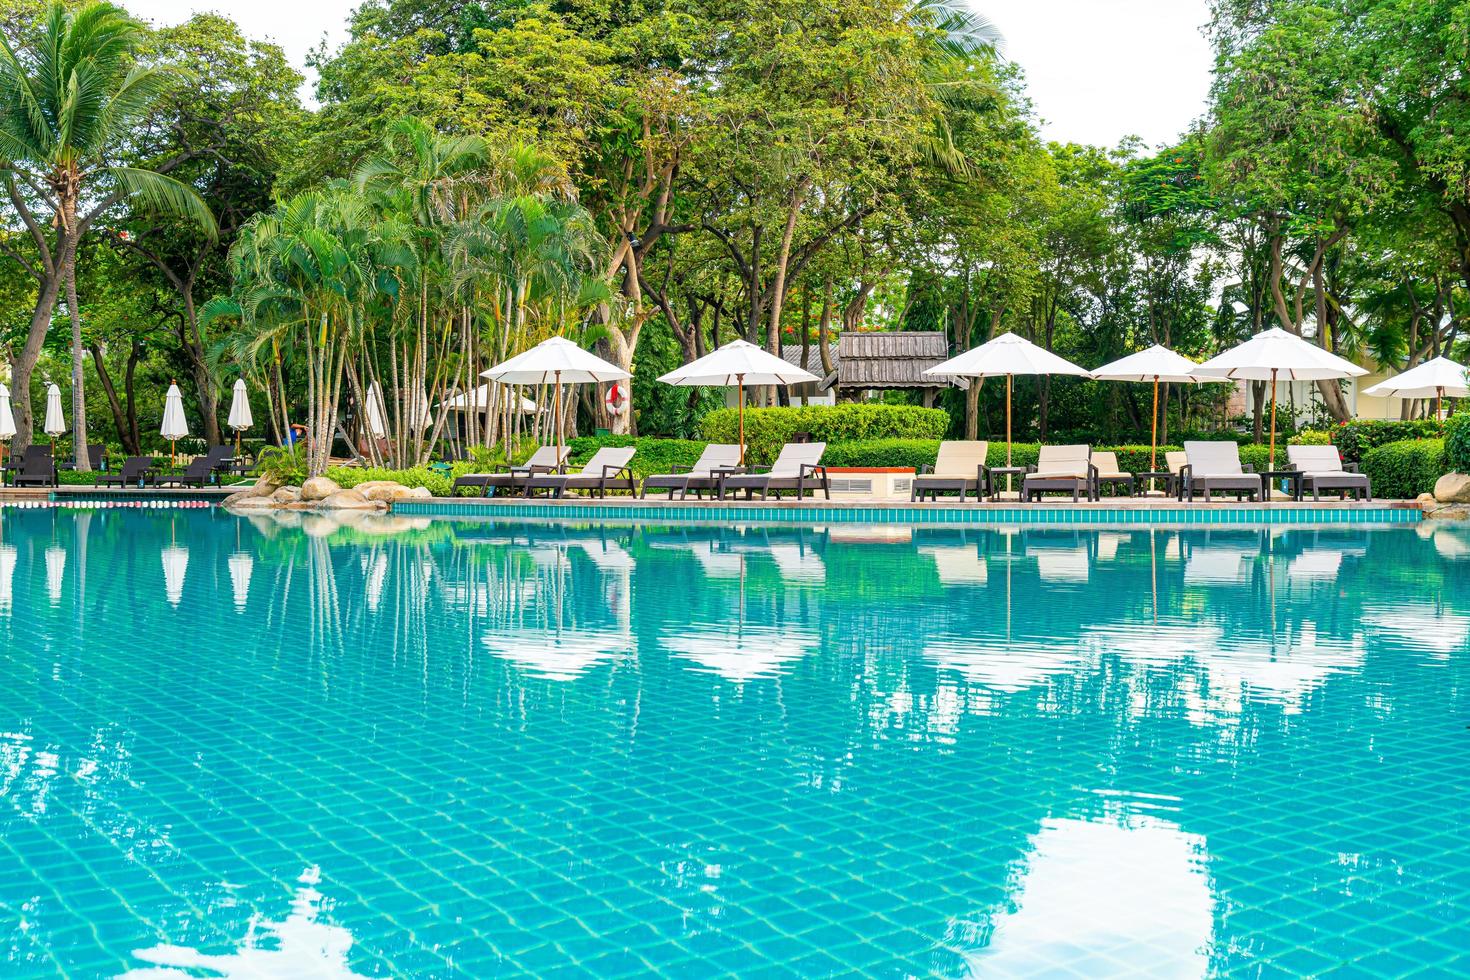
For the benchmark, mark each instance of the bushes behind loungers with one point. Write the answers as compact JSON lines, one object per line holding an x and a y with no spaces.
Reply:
{"x":1457,"y":442}
{"x":1354,"y":439}
{"x":768,"y":429}
{"x":1404,"y":470}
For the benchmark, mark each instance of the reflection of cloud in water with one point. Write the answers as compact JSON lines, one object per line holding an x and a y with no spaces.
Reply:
{"x":798,"y":565}
{"x":1099,"y":900}
{"x":1315,"y":565}
{"x":1216,"y":565}
{"x":559,"y":655}
{"x":298,"y":948}
{"x":742,"y":653}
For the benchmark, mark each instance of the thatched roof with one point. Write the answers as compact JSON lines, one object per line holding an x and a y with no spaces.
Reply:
{"x":892,"y":360}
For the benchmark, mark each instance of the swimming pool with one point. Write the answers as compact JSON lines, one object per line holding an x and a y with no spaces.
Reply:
{"x":415,"y":748}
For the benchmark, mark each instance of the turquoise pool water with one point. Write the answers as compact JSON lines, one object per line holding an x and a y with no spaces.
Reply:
{"x":425,"y":749}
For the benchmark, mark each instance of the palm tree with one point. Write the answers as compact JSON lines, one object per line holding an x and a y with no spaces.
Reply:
{"x":959,"y":39}
{"x":67,"y":104}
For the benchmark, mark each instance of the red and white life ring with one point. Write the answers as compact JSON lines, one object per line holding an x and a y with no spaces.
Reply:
{"x":616,"y":399}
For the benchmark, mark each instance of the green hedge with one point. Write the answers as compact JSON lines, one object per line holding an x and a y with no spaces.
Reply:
{"x":1354,"y":439}
{"x":917,"y":453}
{"x":651,"y":456}
{"x":1457,"y":443}
{"x":767,"y":429}
{"x":1403,"y":470}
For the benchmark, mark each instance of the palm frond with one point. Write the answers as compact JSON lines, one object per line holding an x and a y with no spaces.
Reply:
{"x":166,"y":195}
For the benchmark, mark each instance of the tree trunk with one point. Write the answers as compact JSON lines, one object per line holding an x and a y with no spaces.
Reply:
{"x":23,"y":366}
{"x":134,"y":356}
{"x":199,"y":366}
{"x":80,"y":457}
{"x":119,"y":418}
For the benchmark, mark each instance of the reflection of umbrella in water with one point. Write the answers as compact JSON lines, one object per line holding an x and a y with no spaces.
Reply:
{"x":7,"y":576}
{"x":55,"y":568}
{"x":374,"y":573}
{"x":175,"y":563}
{"x":242,"y":565}
{"x":559,"y":654}
{"x":743,"y":653}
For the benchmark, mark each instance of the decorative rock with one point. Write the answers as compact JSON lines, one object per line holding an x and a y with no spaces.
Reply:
{"x":1453,"y":488}
{"x":246,"y":500}
{"x":350,"y":500}
{"x":286,"y":495}
{"x":1450,"y":512}
{"x":264,"y":487}
{"x":319,"y":488}
{"x":419,"y":493}
{"x":381,"y":490}
{"x":1425,"y":500}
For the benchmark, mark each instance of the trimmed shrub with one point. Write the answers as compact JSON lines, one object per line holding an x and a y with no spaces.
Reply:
{"x":767,"y":429}
{"x":651,"y":456}
{"x":1311,"y":437}
{"x":917,"y":453}
{"x":1354,"y":439}
{"x":1403,"y":470}
{"x":436,"y":481}
{"x":1457,"y":443}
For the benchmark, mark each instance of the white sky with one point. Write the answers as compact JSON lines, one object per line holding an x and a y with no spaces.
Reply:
{"x":1098,"y":70}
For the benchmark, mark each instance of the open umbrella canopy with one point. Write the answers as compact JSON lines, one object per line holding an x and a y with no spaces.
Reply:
{"x":738,"y":363}
{"x":55,"y":421}
{"x":1437,"y":378}
{"x":1158,"y":363}
{"x":240,"y":417}
{"x":174,"y":426}
{"x":555,"y":361}
{"x":1005,"y":355}
{"x":7,"y":418}
{"x":1276,"y":355}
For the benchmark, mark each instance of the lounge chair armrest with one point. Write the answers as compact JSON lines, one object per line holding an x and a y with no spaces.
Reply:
{"x":981,"y":472}
{"x":1351,"y":468}
{"x":926,"y":470}
{"x":611,"y":471}
{"x":811,"y":469}
{"x":724,"y":471}
{"x":1247,"y":467}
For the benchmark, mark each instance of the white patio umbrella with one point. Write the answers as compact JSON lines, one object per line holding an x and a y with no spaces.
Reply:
{"x":738,"y":363}
{"x":485,"y":398}
{"x":377,"y":419}
{"x":1157,"y":364}
{"x":175,"y":426}
{"x":1007,"y":355}
{"x":556,"y":361}
{"x":240,"y":417}
{"x":1436,"y":378}
{"x":1273,"y":355}
{"x":55,"y":421}
{"x":7,"y":420}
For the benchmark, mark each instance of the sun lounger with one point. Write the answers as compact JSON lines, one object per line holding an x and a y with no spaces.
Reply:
{"x":1215,"y":467}
{"x":136,"y":471}
{"x":703,"y":475}
{"x":199,"y":472}
{"x":799,"y":468}
{"x":544,"y":460}
{"x":1106,"y":471}
{"x":36,"y":470}
{"x":959,"y":467}
{"x":606,"y":470}
{"x":1061,"y":469}
{"x":1322,"y":468}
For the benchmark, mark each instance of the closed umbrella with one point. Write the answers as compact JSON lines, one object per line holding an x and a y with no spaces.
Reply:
{"x":1273,"y":355}
{"x":556,"y":362}
{"x":240,"y":417}
{"x":55,"y":421}
{"x":1157,"y":364}
{"x":7,"y":420}
{"x":1436,"y":378}
{"x":1007,"y":355}
{"x":175,"y":426}
{"x":377,"y":419}
{"x":738,"y":363}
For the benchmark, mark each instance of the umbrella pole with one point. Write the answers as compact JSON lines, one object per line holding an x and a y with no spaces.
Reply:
{"x":1438,"y":402}
{"x":1008,"y":432}
{"x":1271,"y":457}
{"x":740,"y":402}
{"x":558,"y":416}
{"x":1153,"y":450}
